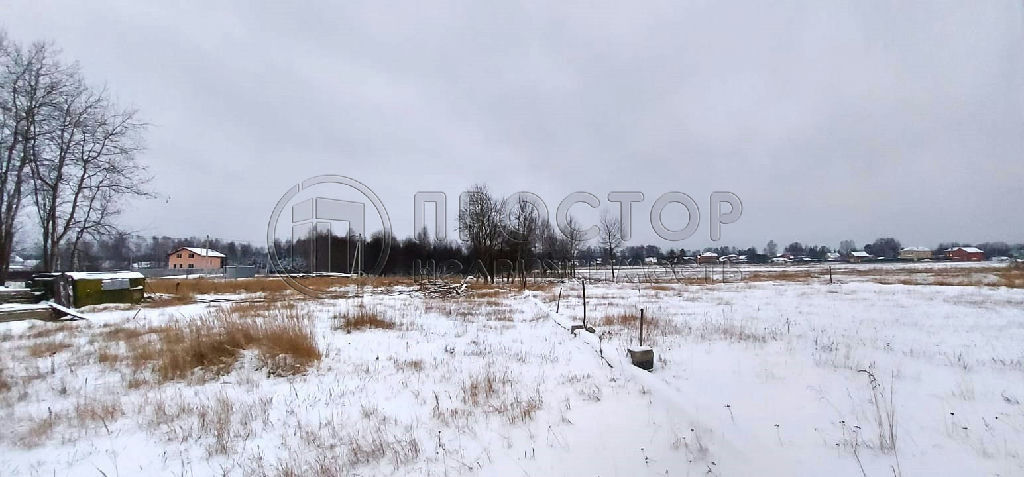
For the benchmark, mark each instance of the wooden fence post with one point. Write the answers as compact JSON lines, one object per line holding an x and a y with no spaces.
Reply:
{"x":641,"y":327}
{"x":584,"y":304}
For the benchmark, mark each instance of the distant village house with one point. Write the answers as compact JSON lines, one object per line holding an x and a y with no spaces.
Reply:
{"x":707,"y":257}
{"x":965,"y":254}
{"x":857,"y":257}
{"x":916,"y":253}
{"x":191,"y":257}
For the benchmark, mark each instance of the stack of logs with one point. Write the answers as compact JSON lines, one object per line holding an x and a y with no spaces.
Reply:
{"x":442,"y":289}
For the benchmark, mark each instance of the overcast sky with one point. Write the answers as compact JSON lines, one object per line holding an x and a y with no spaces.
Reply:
{"x":830,"y":120}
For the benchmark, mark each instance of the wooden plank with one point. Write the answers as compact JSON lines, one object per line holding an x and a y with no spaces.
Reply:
{"x":63,"y":310}
{"x":44,"y":314}
{"x":17,"y":296}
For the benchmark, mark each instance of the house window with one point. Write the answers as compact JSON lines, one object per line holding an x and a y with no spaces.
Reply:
{"x":191,"y":265}
{"x":179,"y":255}
{"x":191,"y":255}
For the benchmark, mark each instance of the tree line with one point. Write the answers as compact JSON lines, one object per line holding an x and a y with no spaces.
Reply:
{"x":502,"y":237}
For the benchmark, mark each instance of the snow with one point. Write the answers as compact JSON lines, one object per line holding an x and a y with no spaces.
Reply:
{"x":103,"y":275}
{"x":10,"y":307}
{"x":67,"y":311}
{"x":203,"y":252}
{"x":759,"y":378}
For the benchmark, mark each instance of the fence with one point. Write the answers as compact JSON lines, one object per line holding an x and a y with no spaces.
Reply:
{"x":226,"y":272}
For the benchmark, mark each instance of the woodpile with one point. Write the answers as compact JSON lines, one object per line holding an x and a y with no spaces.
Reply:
{"x":442,"y":289}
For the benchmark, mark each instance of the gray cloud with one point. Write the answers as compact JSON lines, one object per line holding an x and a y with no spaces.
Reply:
{"x":830,"y":120}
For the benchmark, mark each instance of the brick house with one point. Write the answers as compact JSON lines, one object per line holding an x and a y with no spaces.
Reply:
{"x":965,"y":254}
{"x":191,"y":257}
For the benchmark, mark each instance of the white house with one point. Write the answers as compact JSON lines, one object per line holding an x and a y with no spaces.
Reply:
{"x":916,"y":253}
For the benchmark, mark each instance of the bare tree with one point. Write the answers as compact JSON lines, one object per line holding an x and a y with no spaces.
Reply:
{"x":575,"y":239}
{"x":87,"y":164}
{"x":28,"y":83}
{"x":523,"y":232}
{"x":610,"y":237}
{"x":481,"y":222}
{"x":64,"y":144}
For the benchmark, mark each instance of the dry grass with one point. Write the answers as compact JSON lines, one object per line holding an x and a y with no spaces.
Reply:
{"x":412,"y":365}
{"x":219,"y":421}
{"x":382,"y":282}
{"x":163,"y":300}
{"x":39,"y":430}
{"x":657,"y":326}
{"x":118,"y":333}
{"x":41,"y":349}
{"x":204,"y":286}
{"x":663,"y":287}
{"x":108,"y":355}
{"x":785,"y":276}
{"x":1012,"y":276}
{"x":45,"y":330}
{"x":282,"y":342}
{"x":89,"y":411}
{"x":198,"y":286}
{"x":499,"y":394}
{"x":174,"y":292}
{"x":5,"y":380}
{"x":488,"y":293}
{"x":362,"y":318}
{"x":503,"y":288}
{"x":654,"y":324}
{"x":376,"y":442}
{"x":472,"y":308}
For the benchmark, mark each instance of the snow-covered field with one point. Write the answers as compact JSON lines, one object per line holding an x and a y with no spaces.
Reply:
{"x":751,"y":378}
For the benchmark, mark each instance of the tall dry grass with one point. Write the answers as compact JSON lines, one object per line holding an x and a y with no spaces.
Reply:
{"x":203,"y":286}
{"x":500,"y":394}
{"x":280,"y":338}
{"x":6,"y":382}
{"x":1012,"y":276}
{"x":362,"y":318}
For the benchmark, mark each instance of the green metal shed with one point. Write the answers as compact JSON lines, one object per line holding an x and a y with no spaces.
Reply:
{"x":78,"y":289}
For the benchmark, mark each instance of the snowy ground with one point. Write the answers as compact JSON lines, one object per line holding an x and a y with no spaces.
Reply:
{"x":751,"y":378}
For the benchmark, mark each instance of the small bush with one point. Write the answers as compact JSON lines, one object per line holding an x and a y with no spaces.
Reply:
{"x":362,"y":318}
{"x":283,"y":342}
